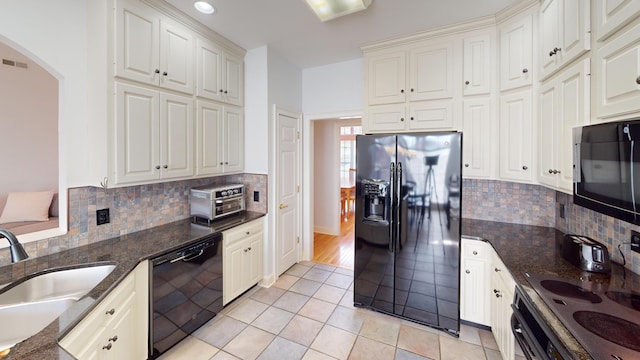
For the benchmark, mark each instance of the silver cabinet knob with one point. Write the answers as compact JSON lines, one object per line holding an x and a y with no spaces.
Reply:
{"x":525,"y":70}
{"x":466,"y":83}
{"x":475,"y":252}
{"x":638,"y":80}
{"x":166,"y":166}
{"x":466,"y":165}
{"x":401,"y":91}
{"x":157,"y":167}
{"x":497,"y":269}
{"x":111,"y":312}
{"x":468,"y":272}
{"x":402,"y":119}
{"x":113,"y":339}
{"x":525,"y":167}
{"x":107,"y":347}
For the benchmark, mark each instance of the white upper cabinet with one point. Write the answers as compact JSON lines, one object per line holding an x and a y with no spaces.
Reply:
{"x":220,"y":73}
{"x":154,"y":135}
{"x":220,"y":139}
{"x":611,"y":15}
{"x":152,"y":49}
{"x":618,"y":75}
{"x":386,"y":77}
{"x":516,"y":136}
{"x":431,"y":71}
{"x":477,"y":128}
{"x":564,"y":104}
{"x":565,"y":29}
{"x":477,"y":65}
{"x":516,"y":53}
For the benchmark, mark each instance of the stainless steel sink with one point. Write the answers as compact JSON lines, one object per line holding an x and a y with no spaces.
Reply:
{"x":68,"y":283}
{"x":28,"y":306}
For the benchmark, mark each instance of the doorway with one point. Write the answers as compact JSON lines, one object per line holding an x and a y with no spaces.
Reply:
{"x":334,"y":190}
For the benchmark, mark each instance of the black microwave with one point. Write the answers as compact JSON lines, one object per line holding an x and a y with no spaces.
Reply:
{"x":606,"y":176}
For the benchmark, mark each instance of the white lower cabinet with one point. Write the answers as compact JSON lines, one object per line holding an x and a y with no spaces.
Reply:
{"x":118,"y":327}
{"x":502,"y":292}
{"x":242,"y":258}
{"x":474,"y":281}
{"x":486,"y":293}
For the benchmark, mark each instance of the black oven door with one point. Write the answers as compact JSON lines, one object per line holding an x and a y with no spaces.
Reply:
{"x":534,"y":336}
{"x":186,"y":292}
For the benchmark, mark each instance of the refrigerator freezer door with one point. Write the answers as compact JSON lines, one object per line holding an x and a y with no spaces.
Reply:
{"x":373,"y":263}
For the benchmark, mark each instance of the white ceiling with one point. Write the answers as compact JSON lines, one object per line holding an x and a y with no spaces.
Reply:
{"x":290,"y":28}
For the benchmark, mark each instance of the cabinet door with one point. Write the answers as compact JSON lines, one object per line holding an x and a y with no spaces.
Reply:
{"x":209,"y":70}
{"x":386,"y":118}
{"x":618,"y":90}
{"x":516,"y":136}
{"x":137,"y":134}
{"x":233,"y":282}
{"x":233,"y":139}
{"x":431,"y":115}
{"x":176,"y":57}
{"x":516,"y":55}
{"x":478,"y":130}
{"x":547,"y":134}
{"x":386,"y":78}
{"x":611,"y":15}
{"x":574,"y":104}
{"x":575,"y":30}
{"x":254,"y":258}
{"x":137,"y":43}
{"x":549,"y":28}
{"x":477,"y":68}
{"x":233,"y":79}
{"x":176,"y":136}
{"x":431,"y":72}
{"x":474,"y":286}
{"x":209,"y":148}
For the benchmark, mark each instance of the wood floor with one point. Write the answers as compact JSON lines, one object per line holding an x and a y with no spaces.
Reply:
{"x":336,"y":250}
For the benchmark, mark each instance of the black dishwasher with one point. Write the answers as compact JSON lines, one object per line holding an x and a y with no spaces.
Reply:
{"x":185,"y":292}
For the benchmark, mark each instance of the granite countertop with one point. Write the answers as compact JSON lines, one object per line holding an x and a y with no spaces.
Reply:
{"x":536,"y":249}
{"x":125,"y":252}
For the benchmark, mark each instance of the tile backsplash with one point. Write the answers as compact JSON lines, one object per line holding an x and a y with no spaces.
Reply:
{"x":133,"y":209}
{"x":508,"y":202}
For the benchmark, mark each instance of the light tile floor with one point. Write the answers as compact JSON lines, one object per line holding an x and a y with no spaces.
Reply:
{"x":308,"y":314}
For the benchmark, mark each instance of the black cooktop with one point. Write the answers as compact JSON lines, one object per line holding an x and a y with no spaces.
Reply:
{"x":605,"y":320}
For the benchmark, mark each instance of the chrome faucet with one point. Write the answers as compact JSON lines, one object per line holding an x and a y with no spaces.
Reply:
{"x":17,"y":251}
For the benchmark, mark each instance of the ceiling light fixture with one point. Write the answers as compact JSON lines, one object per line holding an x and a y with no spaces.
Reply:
{"x":331,"y":9}
{"x":204,"y":7}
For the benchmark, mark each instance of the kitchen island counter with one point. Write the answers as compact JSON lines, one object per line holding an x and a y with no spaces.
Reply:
{"x":536,"y":249}
{"x":125,"y":252}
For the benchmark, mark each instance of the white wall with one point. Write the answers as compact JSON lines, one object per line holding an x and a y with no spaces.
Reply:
{"x":29,"y":123}
{"x":256,"y":112}
{"x":333,"y":88}
{"x":328,"y":92}
{"x":326,"y":188}
{"x":53,"y":33}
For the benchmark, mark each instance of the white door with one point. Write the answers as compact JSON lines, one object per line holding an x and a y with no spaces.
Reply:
{"x":287,"y":189}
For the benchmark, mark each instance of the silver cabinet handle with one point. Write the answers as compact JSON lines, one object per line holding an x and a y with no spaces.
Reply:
{"x":111,"y":312}
{"x":497,"y":270}
{"x":107,"y":347}
{"x":114,"y":339}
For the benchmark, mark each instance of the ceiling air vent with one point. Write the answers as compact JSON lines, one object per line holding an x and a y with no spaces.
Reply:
{"x":14,"y":63}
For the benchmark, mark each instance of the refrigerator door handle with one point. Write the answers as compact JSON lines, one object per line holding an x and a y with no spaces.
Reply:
{"x":392,"y":175}
{"x":397,"y":202}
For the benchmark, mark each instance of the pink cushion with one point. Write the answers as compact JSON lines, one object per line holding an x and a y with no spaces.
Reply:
{"x":27,"y":206}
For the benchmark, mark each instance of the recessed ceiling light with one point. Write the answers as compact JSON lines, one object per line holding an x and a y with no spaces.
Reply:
{"x":331,"y":9}
{"x":204,"y":7}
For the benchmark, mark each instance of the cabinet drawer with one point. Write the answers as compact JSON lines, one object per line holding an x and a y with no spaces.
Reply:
{"x":475,"y":249}
{"x":242,"y":231}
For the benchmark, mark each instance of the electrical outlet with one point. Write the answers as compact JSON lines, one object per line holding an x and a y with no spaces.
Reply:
{"x":102,"y":216}
{"x":256,"y":196}
{"x":635,"y":241}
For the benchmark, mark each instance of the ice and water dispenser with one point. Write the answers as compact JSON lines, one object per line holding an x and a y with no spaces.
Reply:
{"x":376,"y":196}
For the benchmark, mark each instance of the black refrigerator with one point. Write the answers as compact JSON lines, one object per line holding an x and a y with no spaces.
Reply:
{"x":407,"y":226}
